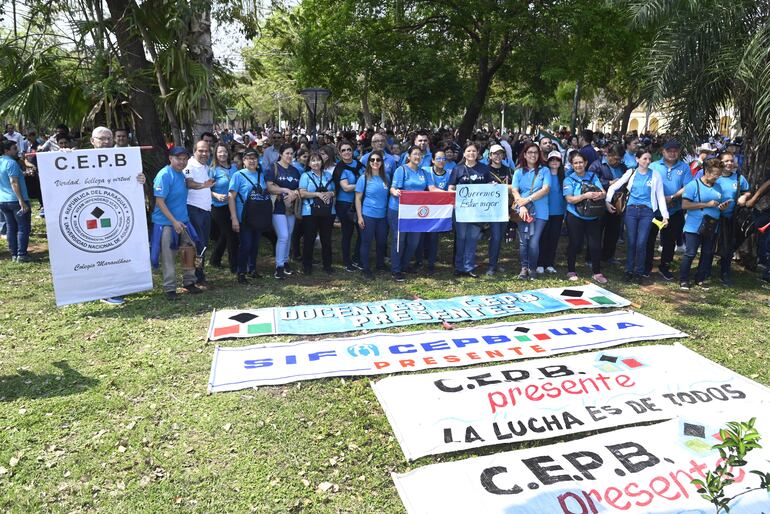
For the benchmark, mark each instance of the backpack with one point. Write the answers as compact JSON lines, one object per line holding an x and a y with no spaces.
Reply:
{"x":318,"y":207}
{"x":590,"y":208}
{"x":257,"y":210}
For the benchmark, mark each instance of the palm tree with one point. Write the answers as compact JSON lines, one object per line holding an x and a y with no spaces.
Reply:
{"x":709,"y":55}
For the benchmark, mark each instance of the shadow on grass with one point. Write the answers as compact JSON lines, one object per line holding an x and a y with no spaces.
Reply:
{"x":27,"y":384}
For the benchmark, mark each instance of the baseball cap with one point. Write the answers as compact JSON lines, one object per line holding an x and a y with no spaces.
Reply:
{"x":554,"y":154}
{"x":672,"y":144}
{"x":179,"y":150}
{"x":250,"y":152}
{"x":496,"y":148}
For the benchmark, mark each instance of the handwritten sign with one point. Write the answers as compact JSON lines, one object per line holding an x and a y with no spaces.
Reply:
{"x":481,"y":203}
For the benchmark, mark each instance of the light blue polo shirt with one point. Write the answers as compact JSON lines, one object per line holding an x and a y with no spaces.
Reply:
{"x":697,"y":191}
{"x":673,"y":179}
{"x":729,"y":187}
{"x":239,"y":183}
{"x":375,"y":204}
{"x":440,"y":181}
{"x":221,"y":185}
{"x":311,"y":182}
{"x":10,"y":168}
{"x":169,"y":184}
{"x":556,"y":202}
{"x":640,"y":192}
{"x":572,"y":187}
{"x":531,"y":181}
{"x":407,"y":179}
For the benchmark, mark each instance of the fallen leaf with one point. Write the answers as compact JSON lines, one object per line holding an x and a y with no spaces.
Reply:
{"x":14,"y":460}
{"x":227,"y":427}
{"x":325,"y":486}
{"x":306,"y":482}
{"x":122,"y":449}
{"x":3,"y":471}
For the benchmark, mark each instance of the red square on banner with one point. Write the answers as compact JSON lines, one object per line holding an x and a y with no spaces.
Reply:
{"x":91,"y":224}
{"x":542,"y":337}
{"x":577,"y":301}
{"x":631,"y":363}
{"x":223,"y":331}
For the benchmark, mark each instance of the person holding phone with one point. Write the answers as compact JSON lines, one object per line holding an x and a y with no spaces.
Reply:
{"x":738,"y":194}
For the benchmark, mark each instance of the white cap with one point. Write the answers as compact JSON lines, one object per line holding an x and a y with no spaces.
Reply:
{"x":496,"y":148}
{"x":554,"y":153}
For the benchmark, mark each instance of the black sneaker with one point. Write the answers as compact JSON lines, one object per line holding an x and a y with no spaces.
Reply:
{"x":684,"y":286}
{"x":255,"y":274}
{"x":307,"y":270}
{"x":242,"y":278}
{"x":726,"y":280}
{"x":329,"y":271}
{"x":193,"y":289}
{"x":357,"y":266}
{"x":368,"y":275}
{"x":430,"y":272}
{"x":172,"y":296}
{"x":350,"y":268}
{"x":765,"y":279}
{"x":471,"y":274}
{"x":458,"y":273}
{"x":665,"y":273}
{"x":703,"y":285}
{"x":628,"y":277}
{"x":287,"y":269}
{"x":638,"y":280}
{"x":279,"y":274}
{"x":399,"y":277}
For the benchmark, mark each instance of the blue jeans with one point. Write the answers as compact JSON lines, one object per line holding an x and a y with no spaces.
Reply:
{"x":496,"y":233}
{"x":529,"y":242}
{"x":692,"y":242}
{"x":283,"y":225}
{"x":638,"y":220}
{"x":201,"y":221}
{"x":247,"y":249}
{"x":468,"y":235}
{"x":18,"y":227}
{"x":403,"y":245}
{"x":375,"y":230}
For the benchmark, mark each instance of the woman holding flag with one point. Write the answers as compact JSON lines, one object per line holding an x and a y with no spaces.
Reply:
{"x":469,"y":171}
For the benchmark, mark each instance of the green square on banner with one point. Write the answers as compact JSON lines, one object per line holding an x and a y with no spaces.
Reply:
{"x":106,"y":223}
{"x":260,"y":328}
{"x":602,"y":300}
{"x":523,"y":339}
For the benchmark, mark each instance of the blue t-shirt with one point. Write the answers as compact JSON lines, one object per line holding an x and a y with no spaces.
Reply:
{"x":673,"y":179}
{"x":572,"y":186}
{"x":349,"y":172}
{"x":729,"y":187}
{"x":440,"y":181}
{"x":556,"y":202}
{"x":407,"y":179}
{"x":427,"y":159}
{"x":242,"y":183}
{"x":641,"y":189}
{"x":222,"y":183}
{"x":390,"y":163}
{"x":697,"y":191}
{"x":530,"y":182}
{"x":311,"y":183}
{"x":169,"y":184}
{"x":10,"y":168}
{"x":282,"y":177}
{"x":449,"y":166}
{"x":375,"y":203}
{"x":629,"y":160}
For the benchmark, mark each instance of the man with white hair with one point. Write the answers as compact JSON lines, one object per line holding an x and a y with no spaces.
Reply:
{"x":101,"y":137}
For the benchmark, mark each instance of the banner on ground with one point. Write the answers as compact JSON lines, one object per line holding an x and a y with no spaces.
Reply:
{"x":378,"y":353}
{"x":324,"y":319}
{"x":641,"y":470}
{"x":95,"y":218}
{"x":450,"y":411}
{"x":481,"y":203}
{"x":425,"y":211}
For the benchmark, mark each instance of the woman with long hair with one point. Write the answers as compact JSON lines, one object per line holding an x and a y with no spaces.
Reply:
{"x":283,"y":180}
{"x":531,"y":185}
{"x":371,"y":209}
{"x":345,"y":175}
{"x":222,"y":170}
{"x":549,"y":240}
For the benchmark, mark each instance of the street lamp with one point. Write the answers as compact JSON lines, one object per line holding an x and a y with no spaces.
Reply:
{"x":315,"y":99}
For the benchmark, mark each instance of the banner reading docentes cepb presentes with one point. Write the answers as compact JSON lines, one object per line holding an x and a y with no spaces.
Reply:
{"x":95,"y":218}
{"x":378,"y":353}
{"x":324,"y":319}
{"x":545,"y":398}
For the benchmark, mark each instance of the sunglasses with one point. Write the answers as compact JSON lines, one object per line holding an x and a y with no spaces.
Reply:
{"x":375,"y":159}
{"x":440,"y":159}
{"x":345,"y":150}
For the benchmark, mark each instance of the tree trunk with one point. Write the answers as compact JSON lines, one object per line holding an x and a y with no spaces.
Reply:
{"x":365,"y":104}
{"x":483,"y":80}
{"x":200,"y":48}
{"x":626,"y":113}
{"x":575,"y":103}
{"x":141,"y":93}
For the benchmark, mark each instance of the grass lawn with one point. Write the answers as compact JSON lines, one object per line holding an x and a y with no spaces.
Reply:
{"x":105,"y":408}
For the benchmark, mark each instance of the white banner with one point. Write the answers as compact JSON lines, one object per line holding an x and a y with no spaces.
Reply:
{"x":481,"y":203}
{"x":450,"y":411}
{"x":95,"y":218}
{"x":641,"y":470}
{"x":379,"y":353}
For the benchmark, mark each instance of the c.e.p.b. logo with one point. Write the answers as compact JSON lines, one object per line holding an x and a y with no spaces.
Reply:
{"x":96,"y":219}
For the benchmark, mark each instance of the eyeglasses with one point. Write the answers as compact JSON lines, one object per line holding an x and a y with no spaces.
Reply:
{"x":440,"y":159}
{"x":342,"y":150}
{"x":533,"y":153}
{"x":375,"y":159}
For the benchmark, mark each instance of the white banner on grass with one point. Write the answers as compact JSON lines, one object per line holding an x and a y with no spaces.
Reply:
{"x":456,"y":410}
{"x":379,"y":353}
{"x":95,"y":218}
{"x":481,"y":203}
{"x":641,"y":470}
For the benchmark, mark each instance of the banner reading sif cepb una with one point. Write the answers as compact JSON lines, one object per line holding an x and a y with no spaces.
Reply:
{"x":95,"y":218}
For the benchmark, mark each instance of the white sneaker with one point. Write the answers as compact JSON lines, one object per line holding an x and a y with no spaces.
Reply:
{"x":539,"y":270}
{"x":550,"y":269}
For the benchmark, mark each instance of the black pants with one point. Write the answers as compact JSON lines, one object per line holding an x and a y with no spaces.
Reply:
{"x":549,"y":241}
{"x":227,"y":239}
{"x":612,"y":224}
{"x":580,"y":229}
{"x":312,"y":226}
{"x":348,"y":227}
{"x":668,"y":238}
{"x":296,"y":241}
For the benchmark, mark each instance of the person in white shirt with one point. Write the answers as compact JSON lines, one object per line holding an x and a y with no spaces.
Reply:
{"x":11,"y":135}
{"x":199,"y":183}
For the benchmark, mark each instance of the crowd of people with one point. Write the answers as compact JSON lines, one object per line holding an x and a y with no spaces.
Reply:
{"x":229,"y":192}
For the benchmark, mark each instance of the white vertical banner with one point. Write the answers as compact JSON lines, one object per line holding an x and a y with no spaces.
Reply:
{"x":97,"y":228}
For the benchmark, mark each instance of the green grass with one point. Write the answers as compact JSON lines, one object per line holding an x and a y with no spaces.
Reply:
{"x":105,"y":409}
